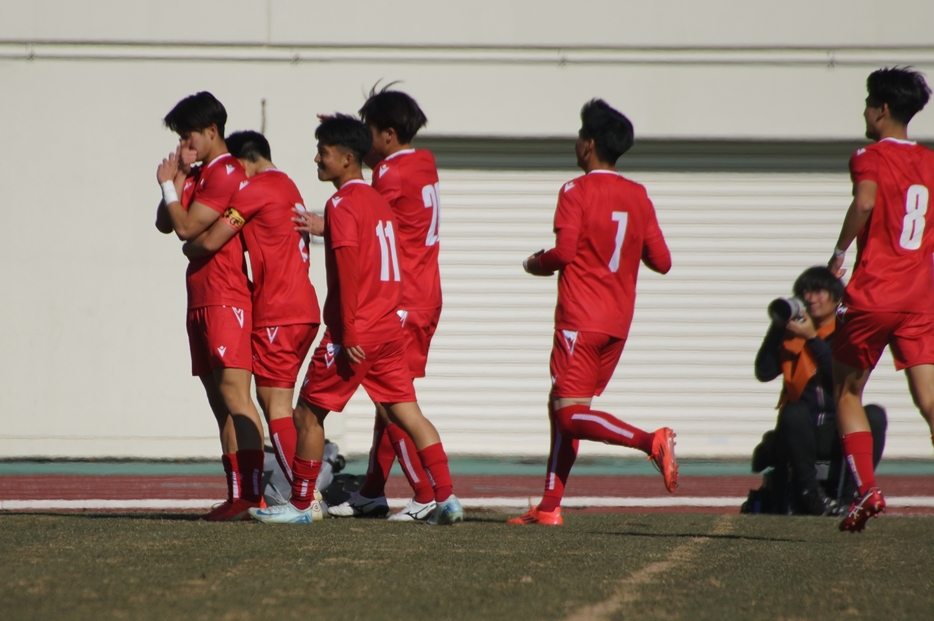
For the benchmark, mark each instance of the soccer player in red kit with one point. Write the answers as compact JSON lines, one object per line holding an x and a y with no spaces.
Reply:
{"x":408,"y":179}
{"x":890,"y":297}
{"x":364,"y":342}
{"x":605,"y":225}
{"x":285,"y":307}
{"x":219,"y":305}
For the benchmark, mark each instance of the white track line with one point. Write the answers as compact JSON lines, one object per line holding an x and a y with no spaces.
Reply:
{"x":515,"y":502}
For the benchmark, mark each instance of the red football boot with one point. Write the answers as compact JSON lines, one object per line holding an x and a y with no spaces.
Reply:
{"x":663,"y":457}
{"x":870,"y":505}
{"x":236,"y":511}
{"x":534,"y":516}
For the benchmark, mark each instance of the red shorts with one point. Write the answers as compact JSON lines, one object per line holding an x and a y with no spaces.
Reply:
{"x":331,"y":380}
{"x":582,"y":363}
{"x":419,"y":326}
{"x":279,"y":351}
{"x":219,"y":338}
{"x":862,"y":335}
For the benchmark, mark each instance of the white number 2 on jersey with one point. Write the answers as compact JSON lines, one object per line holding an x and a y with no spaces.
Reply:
{"x":621,"y":218}
{"x":387,"y":251}
{"x":430,"y":197}
{"x":916,"y":207}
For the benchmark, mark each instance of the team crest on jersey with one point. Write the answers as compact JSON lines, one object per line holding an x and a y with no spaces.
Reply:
{"x":222,"y":350}
{"x":238,"y":313}
{"x":331,"y":353}
{"x":230,"y":169}
{"x":568,"y":186}
{"x":243,"y":184}
{"x":403,"y":315}
{"x":271,"y":334}
{"x":570,"y":339}
{"x":383,"y":170}
{"x":188,"y":185}
{"x":336,"y":200}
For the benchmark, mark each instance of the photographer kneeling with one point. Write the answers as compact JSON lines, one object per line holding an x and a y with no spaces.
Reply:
{"x":797,"y":347}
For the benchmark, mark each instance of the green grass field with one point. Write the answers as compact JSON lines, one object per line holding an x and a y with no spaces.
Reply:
{"x":598,"y":566}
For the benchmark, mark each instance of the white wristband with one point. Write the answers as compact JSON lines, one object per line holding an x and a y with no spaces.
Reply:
{"x":838,"y":254}
{"x":169,"y":195}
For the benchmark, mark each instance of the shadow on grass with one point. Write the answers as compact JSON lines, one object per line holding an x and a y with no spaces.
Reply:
{"x":700,"y":536}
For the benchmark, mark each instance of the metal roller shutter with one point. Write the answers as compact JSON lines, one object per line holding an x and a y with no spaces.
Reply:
{"x":737,"y":241}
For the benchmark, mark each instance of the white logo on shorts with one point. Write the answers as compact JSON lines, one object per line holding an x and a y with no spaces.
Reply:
{"x":222,"y":350}
{"x":271,"y":334}
{"x":238,"y":313}
{"x":331,"y":353}
{"x":570,"y":339}
{"x":403,"y":315}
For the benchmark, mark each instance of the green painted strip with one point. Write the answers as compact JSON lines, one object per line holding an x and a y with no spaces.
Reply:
{"x":502,"y":466}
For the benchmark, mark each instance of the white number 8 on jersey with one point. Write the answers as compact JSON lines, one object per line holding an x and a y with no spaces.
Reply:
{"x":916,"y":207}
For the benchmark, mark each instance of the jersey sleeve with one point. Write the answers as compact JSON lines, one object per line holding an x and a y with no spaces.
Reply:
{"x":219,"y":187}
{"x":342,"y":224}
{"x":570,"y":209}
{"x":655,"y":252}
{"x":864,"y":166}
{"x":388,"y":182}
{"x":246,"y":202}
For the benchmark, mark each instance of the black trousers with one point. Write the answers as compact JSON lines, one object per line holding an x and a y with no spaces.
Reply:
{"x":806,"y":437}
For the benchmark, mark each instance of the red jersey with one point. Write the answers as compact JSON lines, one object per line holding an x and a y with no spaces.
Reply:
{"x":409,"y":181}
{"x":614,"y":224}
{"x":357,"y":216}
{"x":220,"y":279}
{"x":282,"y":292}
{"x":894,"y":269}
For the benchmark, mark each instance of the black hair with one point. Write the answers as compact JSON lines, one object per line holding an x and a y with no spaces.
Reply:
{"x":248,"y":145}
{"x":818,"y":278}
{"x":196,"y":113}
{"x":904,"y":90}
{"x":346,"y":132}
{"x":395,"y":109}
{"x":609,"y":129}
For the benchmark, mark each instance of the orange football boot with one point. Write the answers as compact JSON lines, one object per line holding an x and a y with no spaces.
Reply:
{"x":534,"y":516}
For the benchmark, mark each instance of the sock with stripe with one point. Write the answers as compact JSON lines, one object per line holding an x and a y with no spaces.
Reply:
{"x":405,"y":451}
{"x":435,"y":461}
{"x":283,"y":435}
{"x":304,"y":477}
{"x":382,"y":455}
{"x":857,"y":447}
{"x":582,"y":423}
{"x":232,"y":475}
{"x":250,"y":464}
{"x":560,"y":460}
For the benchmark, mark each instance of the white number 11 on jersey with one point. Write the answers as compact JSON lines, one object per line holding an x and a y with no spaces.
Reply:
{"x":621,"y":218}
{"x":387,"y":251}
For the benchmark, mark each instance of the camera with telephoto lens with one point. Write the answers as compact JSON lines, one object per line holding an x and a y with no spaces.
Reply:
{"x":783,"y":310}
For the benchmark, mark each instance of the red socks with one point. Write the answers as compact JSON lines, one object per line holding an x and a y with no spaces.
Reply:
{"x":382,"y":455}
{"x":250,"y":465}
{"x":435,"y":462}
{"x":304,"y":477}
{"x":232,"y":474}
{"x":560,"y":459}
{"x":857,"y":447}
{"x":415,"y":474}
{"x":283,"y":436}
{"x":582,"y":423}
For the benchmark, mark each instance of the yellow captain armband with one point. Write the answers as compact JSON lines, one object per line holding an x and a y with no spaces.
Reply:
{"x":233,"y":218}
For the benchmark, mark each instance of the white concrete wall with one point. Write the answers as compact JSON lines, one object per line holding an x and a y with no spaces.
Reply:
{"x":95,"y":355}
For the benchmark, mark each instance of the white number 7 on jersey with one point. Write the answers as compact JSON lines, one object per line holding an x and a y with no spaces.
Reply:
{"x":621,"y":218}
{"x":387,"y":250}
